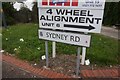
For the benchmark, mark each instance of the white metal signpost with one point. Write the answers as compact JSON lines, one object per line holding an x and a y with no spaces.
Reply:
{"x":83,"y":16}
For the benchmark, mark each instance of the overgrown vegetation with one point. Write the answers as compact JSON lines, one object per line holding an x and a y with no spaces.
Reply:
{"x":103,"y":50}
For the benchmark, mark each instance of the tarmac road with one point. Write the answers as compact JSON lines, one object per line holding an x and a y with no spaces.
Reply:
{"x":111,"y":32}
{"x":11,"y":71}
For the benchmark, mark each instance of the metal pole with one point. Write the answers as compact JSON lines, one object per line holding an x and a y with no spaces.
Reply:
{"x":46,"y":50}
{"x":78,"y":62}
{"x":54,"y":49}
{"x":83,"y":55}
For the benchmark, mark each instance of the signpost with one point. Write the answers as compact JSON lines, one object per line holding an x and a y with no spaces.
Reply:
{"x":74,"y":16}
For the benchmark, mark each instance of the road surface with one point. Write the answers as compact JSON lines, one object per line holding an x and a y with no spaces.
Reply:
{"x":11,"y":71}
{"x":111,"y":32}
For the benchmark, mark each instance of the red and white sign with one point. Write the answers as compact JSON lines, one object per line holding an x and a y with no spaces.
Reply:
{"x":59,"y":3}
{"x":83,"y":4}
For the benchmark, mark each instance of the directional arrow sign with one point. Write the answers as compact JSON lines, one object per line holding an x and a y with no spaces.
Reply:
{"x":80,"y":20}
{"x":89,"y":27}
{"x":81,"y":16}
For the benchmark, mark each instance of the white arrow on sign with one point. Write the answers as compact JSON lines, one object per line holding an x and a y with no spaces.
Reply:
{"x":65,"y":37}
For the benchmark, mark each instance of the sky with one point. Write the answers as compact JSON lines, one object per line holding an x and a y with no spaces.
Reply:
{"x":29,"y":4}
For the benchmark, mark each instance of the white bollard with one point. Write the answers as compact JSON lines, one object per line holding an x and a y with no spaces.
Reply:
{"x":83,"y":55}
{"x":54,"y":49}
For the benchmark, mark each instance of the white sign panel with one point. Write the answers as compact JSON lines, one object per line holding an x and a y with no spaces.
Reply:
{"x":65,"y":37}
{"x":72,"y":15}
{"x":83,"y":4}
{"x":81,"y":20}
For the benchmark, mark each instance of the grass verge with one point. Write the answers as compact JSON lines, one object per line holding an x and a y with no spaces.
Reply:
{"x":103,"y":50}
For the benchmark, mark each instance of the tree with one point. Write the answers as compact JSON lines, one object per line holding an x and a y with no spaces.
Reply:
{"x":23,"y":16}
{"x":35,"y":13}
{"x":9,"y":12}
{"x":112,"y":13}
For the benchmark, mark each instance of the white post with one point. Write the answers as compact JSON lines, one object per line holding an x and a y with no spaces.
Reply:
{"x":53,"y":49}
{"x":83,"y":55}
{"x":78,"y":62}
{"x":46,"y":51}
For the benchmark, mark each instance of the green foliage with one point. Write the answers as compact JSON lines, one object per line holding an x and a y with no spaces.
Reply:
{"x":23,"y":16}
{"x":35,"y":13}
{"x":9,"y":12}
{"x":27,"y":49}
{"x":112,"y":13}
{"x":103,"y":50}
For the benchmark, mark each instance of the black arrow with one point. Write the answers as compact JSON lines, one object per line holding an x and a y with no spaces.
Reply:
{"x":80,"y":26}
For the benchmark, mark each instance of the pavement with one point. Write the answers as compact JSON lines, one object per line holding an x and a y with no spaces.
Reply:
{"x":111,"y":32}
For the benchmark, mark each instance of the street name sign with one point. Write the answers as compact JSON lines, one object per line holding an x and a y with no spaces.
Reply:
{"x":72,"y":15}
{"x":65,"y":37}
